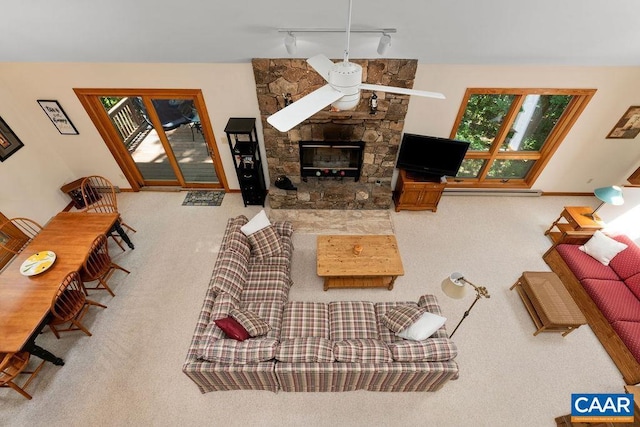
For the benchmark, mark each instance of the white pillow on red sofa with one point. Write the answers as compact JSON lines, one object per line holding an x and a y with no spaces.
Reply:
{"x":602,"y":247}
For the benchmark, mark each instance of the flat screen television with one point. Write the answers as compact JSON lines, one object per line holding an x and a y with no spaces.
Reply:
{"x":431,"y":156}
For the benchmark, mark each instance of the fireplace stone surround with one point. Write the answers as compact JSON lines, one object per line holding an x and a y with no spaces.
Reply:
{"x":381,"y":133}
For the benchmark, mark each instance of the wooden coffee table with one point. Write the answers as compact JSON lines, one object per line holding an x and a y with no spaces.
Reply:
{"x":377,"y":266}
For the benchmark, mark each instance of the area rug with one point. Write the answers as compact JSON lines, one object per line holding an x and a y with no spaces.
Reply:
{"x":331,"y":221}
{"x":203,"y":198}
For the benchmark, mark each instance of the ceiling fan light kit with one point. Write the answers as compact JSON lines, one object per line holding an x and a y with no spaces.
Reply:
{"x":344,"y":82}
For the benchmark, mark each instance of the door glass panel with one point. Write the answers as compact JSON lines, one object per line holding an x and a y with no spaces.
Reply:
{"x":534,"y":122}
{"x":482,"y":120}
{"x":181,"y":124}
{"x":130,"y":119}
{"x":509,"y":168}
{"x":470,"y":168}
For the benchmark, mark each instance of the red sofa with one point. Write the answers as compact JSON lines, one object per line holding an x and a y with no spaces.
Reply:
{"x":609,"y":297}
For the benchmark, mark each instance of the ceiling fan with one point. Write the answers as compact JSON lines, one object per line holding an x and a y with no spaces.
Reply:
{"x":342,"y":91}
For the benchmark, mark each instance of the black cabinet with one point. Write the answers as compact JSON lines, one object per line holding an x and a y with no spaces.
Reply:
{"x":243,"y":143}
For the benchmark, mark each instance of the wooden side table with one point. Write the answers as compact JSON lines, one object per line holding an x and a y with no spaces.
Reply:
{"x":577,"y":219}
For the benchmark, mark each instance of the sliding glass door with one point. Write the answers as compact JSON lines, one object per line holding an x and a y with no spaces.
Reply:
{"x":160,"y":138}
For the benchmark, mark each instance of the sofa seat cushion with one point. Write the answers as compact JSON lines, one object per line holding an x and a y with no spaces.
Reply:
{"x":386,"y":334}
{"x":584,"y":266}
{"x":633,"y":283}
{"x":614,"y":299}
{"x":431,"y":349}
{"x":266,"y":283}
{"x":629,"y":333}
{"x":231,"y":351}
{"x":305,"y":350}
{"x":627,"y":262}
{"x":305,"y":319}
{"x":352,"y":319}
{"x":270,"y":312}
{"x":362,"y":351}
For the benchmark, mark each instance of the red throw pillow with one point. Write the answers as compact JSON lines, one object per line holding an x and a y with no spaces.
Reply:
{"x":232,"y":328}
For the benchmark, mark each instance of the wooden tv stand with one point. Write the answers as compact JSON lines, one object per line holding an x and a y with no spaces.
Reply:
{"x":417,"y":195}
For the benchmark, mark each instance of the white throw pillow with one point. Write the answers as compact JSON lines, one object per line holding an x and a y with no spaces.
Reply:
{"x":257,"y":223}
{"x":602,"y":247}
{"x":423,"y":328}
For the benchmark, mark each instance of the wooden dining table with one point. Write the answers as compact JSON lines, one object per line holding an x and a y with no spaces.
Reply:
{"x":25,"y":300}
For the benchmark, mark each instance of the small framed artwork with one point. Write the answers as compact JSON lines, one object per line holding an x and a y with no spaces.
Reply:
{"x":9,"y":141}
{"x":628,"y":127}
{"x":58,"y":117}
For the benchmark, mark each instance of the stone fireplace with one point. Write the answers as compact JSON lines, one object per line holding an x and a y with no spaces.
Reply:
{"x":379,"y":134}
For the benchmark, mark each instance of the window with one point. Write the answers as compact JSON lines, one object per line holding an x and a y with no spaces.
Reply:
{"x":513,"y":133}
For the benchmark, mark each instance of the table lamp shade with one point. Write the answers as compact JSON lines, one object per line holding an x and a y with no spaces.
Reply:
{"x":454,"y":287}
{"x":611,"y":195}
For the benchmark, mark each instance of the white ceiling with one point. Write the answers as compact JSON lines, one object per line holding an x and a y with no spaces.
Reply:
{"x":549,"y":32}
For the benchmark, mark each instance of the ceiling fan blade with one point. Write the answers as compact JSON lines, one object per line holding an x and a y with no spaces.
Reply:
{"x":321,"y":64}
{"x":304,"y":108}
{"x":402,"y":90}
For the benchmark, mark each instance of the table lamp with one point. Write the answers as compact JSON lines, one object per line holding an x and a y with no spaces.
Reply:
{"x":454,"y":286}
{"x":611,"y":195}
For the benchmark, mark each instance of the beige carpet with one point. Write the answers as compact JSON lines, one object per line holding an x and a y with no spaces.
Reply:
{"x":129,"y":371}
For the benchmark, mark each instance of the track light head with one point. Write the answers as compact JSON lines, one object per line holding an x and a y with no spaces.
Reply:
{"x":383,"y":45}
{"x":290,"y":43}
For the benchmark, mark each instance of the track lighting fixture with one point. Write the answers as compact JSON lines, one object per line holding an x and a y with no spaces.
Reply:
{"x":383,"y":45}
{"x":290,"y":37}
{"x":290,"y":43}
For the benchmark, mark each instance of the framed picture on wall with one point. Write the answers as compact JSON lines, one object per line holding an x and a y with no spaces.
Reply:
{"x":9,"y":141}
{"x":628,"y":127}
{"x":58,"y":117}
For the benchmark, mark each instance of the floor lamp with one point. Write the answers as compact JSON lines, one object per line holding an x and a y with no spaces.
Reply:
{"x":454,"y":287}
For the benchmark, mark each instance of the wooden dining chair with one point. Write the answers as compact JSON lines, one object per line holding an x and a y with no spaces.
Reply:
{"x":99,"y":195}
{"x":14,"y":364}
{"x":98,"y":267}
{"x":70,"y":305}
{"x":17,"y":233}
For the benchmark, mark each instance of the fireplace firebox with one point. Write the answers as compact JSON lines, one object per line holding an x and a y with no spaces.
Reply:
{"x":333,"y":159}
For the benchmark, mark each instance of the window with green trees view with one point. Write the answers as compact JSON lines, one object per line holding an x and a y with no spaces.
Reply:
{"x":513,"y":132}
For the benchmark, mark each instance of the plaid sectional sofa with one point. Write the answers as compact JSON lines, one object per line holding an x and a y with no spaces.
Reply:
{"x":310,"y":346}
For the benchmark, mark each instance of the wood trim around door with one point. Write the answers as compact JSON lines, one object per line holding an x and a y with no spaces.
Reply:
{"x":89,"y":99}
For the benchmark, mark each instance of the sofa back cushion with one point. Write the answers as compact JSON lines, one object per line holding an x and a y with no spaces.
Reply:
{"x":633,"y":283}
{"x":362,"y":351}
{"x":627,"y":262}
{"x":230,"y":274}
{"x":584,"y":266}
{"x":305,"y":319}
{"x":305,"y":350}
{"x":430,"y":350}
{"x":351,"y":320}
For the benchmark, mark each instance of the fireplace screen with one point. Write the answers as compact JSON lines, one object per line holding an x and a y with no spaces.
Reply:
{"x":331,"y":159}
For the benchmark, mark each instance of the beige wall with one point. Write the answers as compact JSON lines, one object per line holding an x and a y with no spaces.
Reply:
{"x":32,"y":176}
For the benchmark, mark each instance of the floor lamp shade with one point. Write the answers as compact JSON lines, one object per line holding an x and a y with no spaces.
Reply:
{"x":454,"y":286}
